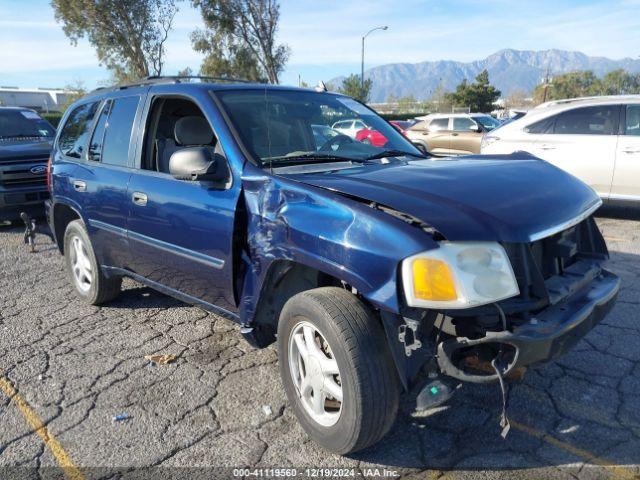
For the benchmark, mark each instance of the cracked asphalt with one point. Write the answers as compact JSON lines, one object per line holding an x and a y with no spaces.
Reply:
{"x":220,"y":404}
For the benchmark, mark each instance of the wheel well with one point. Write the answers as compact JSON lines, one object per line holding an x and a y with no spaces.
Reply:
{"x":62,"y":216}
{"x":284,"y":280}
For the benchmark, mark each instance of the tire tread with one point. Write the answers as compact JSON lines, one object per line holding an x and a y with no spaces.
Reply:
{"x":365,"y":340}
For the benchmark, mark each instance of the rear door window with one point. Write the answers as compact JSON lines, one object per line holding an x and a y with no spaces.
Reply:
{"x":117,"y":139}
{"x":632,"y":123}
{"x":73,"y":136}
{"x":600,"y":120}
{"x":439,"y":124}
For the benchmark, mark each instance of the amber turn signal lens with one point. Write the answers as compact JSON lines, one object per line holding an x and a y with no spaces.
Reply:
{"x":432,"y":280}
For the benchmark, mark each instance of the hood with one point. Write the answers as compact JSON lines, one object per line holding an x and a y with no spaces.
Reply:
{"x":25,"y":149}
{"x":484,"y":198}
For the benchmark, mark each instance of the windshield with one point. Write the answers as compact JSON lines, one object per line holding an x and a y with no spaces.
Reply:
{"x":287,"y":127}
{"x":23,"y":124}
{"x":489,"y":123}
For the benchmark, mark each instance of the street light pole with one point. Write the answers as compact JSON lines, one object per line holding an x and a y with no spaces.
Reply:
{"x":362,"y":64}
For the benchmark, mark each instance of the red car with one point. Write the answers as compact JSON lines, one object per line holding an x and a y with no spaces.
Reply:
{"x":402,"y":125}
{"x":373,"y":137}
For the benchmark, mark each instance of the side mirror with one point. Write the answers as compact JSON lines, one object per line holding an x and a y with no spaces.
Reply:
{"x":197,"y":164}
{"x":475,"y":128}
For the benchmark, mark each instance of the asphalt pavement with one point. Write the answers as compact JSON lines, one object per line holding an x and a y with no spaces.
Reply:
{"x":76,"y":391}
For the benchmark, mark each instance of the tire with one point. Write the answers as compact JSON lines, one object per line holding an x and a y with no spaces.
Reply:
{"x":89,"y":282}
{"x":422,"y":145}
{"x":369,"y":384}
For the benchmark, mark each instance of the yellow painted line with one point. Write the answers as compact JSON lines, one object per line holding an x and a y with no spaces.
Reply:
{"x":617,"y":471}
{"x":62,"y":458}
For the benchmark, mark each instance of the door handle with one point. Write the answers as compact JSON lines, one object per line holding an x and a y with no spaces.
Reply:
{"x":547,"y":147}
{"x":631,"y":151}
{"x":139,"y":198}
{"x":454,"y":134}
{"x":79,"y":186}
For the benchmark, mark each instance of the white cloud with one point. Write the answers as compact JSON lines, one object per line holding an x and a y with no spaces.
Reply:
{"x":327,"y":34}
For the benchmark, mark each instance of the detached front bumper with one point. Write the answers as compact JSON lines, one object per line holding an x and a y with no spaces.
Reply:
{"x":548,"y":335}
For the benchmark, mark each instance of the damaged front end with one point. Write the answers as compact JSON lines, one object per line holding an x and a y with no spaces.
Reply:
{"x":563,"y":293}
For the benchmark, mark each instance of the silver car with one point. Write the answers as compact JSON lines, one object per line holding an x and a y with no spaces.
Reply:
{"x":597,"y":139}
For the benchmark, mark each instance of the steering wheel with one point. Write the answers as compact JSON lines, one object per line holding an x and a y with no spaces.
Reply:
{"x":338,"y":141}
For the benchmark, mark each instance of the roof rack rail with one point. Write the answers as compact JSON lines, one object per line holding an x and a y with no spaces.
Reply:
{"x":178,"y":78}
{"x":566,"y":101}
{"x":159,"y":79}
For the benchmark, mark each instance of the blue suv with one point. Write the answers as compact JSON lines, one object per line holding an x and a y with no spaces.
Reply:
{"x":365,"y":264}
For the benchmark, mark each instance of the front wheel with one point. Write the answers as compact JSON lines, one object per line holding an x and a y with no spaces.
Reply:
{"x":336,"y":369}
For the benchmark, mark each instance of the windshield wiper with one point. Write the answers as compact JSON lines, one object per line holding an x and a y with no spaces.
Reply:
{"x":394,"y":153}
{"x":319,"y":157}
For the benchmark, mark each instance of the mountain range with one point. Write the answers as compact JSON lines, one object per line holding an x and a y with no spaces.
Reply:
{"x":509,"y":70}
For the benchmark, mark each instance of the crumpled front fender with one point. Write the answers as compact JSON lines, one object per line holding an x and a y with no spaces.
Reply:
{"x":341,"y":237}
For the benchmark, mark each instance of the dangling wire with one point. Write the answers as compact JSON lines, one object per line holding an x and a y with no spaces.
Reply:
{"x":504,"y":421}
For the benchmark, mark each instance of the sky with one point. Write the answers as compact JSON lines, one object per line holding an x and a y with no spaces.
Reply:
{"x":325,"y":36}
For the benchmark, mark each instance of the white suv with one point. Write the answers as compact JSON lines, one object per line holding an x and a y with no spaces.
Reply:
{"x":597,"y":139}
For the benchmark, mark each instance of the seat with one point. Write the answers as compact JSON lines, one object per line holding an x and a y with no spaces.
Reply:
{"x":192,"y":131}
{"x":277,"y":138}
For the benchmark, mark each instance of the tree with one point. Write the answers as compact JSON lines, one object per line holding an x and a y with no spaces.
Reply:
{"x":129,"y":35}
{"x":407,"y":104}
{"x":73,"y":91}
{"x":479,"y":96}
{"x":585,"y":83}
{"x":620,"y":82}
{"x":439,"y":101}
{"x":517,"y":99}
{"x":239,"y":39}
{"x":353,"y":87}
{"x":569,"y":85}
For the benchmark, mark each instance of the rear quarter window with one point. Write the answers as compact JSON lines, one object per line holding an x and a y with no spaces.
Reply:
{"x":74,"y":133}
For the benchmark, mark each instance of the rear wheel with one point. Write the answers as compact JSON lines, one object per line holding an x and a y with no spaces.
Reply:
{"x":84,"y":271}
{"x":336,"y":369}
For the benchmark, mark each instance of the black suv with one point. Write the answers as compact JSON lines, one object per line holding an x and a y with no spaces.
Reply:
{"x":25,"y":146}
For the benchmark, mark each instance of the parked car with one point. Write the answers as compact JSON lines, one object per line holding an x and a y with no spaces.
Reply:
{"x":349,"y":127}
{"x":363,"y":263}
{"x":451,"y":134}
{"x":403,"y":125}
{"x":322,"y":134}
{"x":25,"y":145}
{"x":597,"y":139}
{"x":372,"y":137}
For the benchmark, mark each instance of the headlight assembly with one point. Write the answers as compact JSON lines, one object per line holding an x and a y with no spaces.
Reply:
{"x":458,"y":275}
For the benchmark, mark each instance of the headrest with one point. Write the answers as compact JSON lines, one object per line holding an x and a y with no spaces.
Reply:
{"x":193,"y":131}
